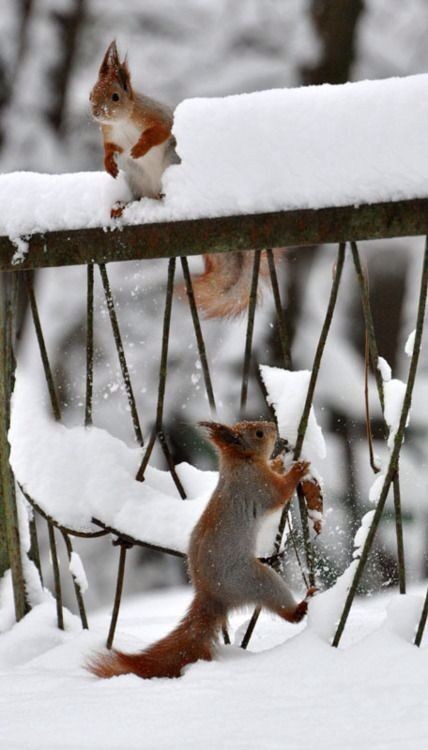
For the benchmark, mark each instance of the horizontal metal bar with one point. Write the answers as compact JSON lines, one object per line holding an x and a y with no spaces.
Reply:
{"x":221,"y":234}
{"x":138,"y":542}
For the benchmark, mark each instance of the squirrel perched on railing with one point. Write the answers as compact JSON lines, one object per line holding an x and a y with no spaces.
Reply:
{"x":224,"y":569}
{"x":137,"y":135}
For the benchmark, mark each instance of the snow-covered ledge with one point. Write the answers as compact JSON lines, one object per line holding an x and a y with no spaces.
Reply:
{"x":291,"y":166}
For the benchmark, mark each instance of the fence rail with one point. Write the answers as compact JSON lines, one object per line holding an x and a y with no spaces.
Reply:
{"x":344,"y":225}
{"x":221,"y":234}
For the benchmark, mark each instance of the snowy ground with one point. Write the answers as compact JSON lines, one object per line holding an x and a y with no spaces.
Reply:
{"x":296,"y":692}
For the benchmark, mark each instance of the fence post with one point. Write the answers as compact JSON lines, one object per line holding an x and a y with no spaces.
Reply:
{"x":10,"y":549}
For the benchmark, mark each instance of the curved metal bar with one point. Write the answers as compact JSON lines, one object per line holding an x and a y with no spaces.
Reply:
{"x":60,"y":527}
{"x":137,"y":542}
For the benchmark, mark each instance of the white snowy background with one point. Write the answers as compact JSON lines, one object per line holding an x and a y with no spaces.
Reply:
{"x":302,"y":694}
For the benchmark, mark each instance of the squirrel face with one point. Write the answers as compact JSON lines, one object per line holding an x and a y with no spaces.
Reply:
{"x":244,"y":439}
{"x":112,"y":97}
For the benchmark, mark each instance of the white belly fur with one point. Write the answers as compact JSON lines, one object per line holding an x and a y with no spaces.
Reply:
{"x":144,"y":175}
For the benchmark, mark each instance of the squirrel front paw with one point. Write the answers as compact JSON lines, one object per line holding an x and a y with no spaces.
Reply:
{"x":299,"y":470}
{"x":110,"y":165}
{"x":138,"y":150}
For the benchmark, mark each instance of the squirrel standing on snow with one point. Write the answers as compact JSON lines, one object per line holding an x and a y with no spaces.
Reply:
{"x":137,"y":134}
{"x":224,"y":569}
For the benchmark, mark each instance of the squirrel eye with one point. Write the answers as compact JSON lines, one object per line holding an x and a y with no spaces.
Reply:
{"x":115,"y":97}
{"x":259,"y":433}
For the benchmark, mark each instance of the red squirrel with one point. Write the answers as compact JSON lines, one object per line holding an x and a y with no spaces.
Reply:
{"x":223,"y":567}
{"x":135,"y":128}
{"x":137,"y":135}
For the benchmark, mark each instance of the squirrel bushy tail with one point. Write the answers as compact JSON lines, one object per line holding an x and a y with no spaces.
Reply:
{"x":191,"y":640}
{"x":223,"y":289}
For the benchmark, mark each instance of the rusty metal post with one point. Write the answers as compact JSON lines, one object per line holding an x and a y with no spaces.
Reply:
{"x":10,"y":548}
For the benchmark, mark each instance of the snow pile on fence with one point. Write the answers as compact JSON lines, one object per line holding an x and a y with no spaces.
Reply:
{"x":273,"y":150}
{"x":77,"y":474}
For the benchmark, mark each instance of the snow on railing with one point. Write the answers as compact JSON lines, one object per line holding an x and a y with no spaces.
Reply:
{"x":251,"y":167}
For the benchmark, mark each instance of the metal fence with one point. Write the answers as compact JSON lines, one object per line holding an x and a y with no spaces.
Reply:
{"x":96,"y":248}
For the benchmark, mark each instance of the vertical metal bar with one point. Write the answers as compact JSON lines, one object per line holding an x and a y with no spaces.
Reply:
{"x":163,"y":370}
{"x":368,"y":320}
{"x":118,"y":594}
{"x":57,"y":576}
{"x":121,"y":353}
{"x":198,"y":333}
{"x":307,"y":408}
{"x":89,"y":343}
{"x":10,"y":553}
{"x":56,"y":409}
{"x":250,"y":329}
{"x":280,"y":317}
{"x":77,"y":589}
{"x":320,"y":351}
{"x":393,"y":462}
{"x":300,"y":438}
{"x":374,"y":357}
{"x":422,"y":622}
{"x":42,"y":346}
{"x":167,"y":453}
{"x":399,"y":533}
{"x":34,"y":553}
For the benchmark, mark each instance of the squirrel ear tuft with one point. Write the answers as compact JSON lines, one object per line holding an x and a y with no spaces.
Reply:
{"x":111,"y":60}
{"x":124,"y":76}
{"x":221,"y":433}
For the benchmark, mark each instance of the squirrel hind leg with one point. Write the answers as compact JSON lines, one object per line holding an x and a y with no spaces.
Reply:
{"x":275,"y":595}
{"x":298,"y":613}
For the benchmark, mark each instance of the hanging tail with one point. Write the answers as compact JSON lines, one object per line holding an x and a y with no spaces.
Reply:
{"x":223,"y":289}
{"x":191,"y":640}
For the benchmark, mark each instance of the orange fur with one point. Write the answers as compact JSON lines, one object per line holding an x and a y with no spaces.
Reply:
{"x":110,"y":149}
{"x":156,"y":132}
{"x":223,"y":578}
{"x":223,"y":289}
{"x":191,"y":640}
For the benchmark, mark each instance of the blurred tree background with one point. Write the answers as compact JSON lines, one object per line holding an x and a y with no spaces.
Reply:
{"x":50,"y":51}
